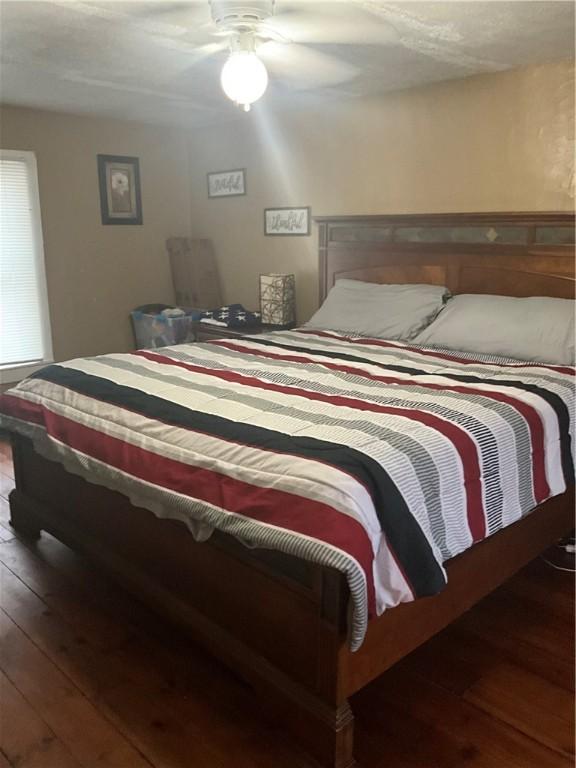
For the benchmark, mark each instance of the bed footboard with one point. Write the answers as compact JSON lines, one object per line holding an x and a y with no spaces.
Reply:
{"x":277,"y":621}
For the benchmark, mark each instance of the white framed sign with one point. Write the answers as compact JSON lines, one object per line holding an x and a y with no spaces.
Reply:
{"x":227,"y":183}
{"x":287,"y":221}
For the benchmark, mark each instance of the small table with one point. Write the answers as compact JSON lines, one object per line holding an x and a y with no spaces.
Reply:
{"x":207,"y":331}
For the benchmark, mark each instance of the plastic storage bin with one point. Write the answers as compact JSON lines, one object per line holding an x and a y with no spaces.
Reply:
{"x":152,"y":329}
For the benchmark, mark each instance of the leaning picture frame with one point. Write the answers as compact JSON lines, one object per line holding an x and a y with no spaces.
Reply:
{"x":119,"y":184}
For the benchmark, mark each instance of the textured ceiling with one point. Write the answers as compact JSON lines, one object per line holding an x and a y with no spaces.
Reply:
{"x":160,"y":61}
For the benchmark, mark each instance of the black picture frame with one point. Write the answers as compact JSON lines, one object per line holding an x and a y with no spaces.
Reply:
{"x":212,"y":179}
{"x":305,"y":209}
{"x":119,"y":205}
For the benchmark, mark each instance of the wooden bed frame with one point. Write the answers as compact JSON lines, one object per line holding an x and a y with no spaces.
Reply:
{"x":279,"y":621}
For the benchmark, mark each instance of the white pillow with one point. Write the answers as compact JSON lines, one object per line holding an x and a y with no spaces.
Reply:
{"x":381,"y":311}
{"x":539,"y":328}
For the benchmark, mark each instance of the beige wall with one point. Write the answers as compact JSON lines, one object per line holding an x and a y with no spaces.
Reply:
{"x":96,"y":274}
{"x":494,"y":142}
{"x":500,"y":142}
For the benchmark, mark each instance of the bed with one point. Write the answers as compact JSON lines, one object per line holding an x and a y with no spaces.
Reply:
{"x":284,"y":620}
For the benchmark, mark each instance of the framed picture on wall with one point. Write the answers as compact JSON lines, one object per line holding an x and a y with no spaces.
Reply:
{"x":227,"y":183}
{"x":119,"y":180}
{"x":287,"y":221}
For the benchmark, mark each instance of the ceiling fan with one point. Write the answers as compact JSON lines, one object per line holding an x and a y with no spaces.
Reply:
{"x":259,"y":39}
{"x":255,"y":35}
{"x":244,"y":77}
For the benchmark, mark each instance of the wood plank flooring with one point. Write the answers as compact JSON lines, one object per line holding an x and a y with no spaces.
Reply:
{"x":90,"y":678}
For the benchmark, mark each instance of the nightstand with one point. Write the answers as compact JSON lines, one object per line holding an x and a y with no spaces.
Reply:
{"x":207,"y":332}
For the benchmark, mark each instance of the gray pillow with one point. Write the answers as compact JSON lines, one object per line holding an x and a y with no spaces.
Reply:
{"x":540,"y":329}
{"x":381,"y":311}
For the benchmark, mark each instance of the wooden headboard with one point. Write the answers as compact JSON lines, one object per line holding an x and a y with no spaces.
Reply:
{"x":511,"y":254}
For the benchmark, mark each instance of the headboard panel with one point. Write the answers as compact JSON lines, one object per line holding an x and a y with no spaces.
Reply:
{"x":512,"y":254}
{"x":435,"y":274}
{"x":514,"y":282}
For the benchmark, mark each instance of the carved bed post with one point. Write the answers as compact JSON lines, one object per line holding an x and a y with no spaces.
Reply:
{"x":21,"y":517}
{"x":332,"y":666}
{"x":320,"y":717}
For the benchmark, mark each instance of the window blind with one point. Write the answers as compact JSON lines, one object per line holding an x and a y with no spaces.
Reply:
{"x":24,"y":323}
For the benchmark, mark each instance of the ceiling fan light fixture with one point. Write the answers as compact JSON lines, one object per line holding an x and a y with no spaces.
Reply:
{"x":244,"y":78}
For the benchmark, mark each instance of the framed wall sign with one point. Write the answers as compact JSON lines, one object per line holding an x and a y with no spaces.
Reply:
{"x":227,"y":183}
{"x":119,"y":180}
{"x":287,"y":221}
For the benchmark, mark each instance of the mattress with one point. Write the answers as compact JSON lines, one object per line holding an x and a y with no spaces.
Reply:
{"x":376,"y":458}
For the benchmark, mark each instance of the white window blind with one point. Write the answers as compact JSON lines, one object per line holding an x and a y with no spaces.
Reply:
{"x":24,"y":320}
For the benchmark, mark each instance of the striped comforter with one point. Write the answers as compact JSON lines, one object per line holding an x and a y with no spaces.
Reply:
{"x":379,"y":459}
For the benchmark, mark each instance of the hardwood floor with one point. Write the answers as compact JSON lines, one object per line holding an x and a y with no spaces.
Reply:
{"x":91,"y":678}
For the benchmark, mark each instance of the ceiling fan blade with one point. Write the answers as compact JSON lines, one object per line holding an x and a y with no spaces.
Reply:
{"x":331,"y":27}
{"x":304,"y":67}
{"x":201,"y":52}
